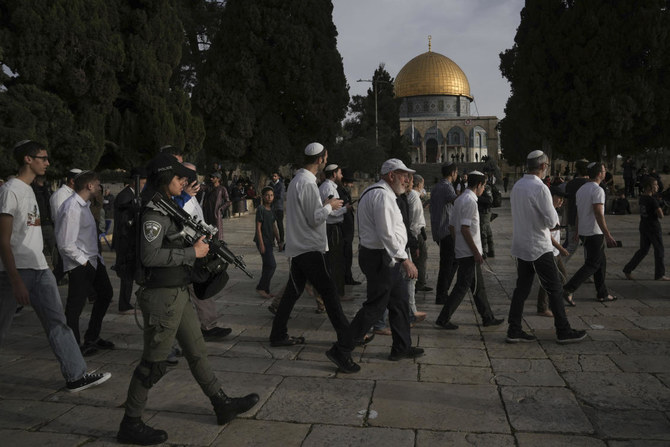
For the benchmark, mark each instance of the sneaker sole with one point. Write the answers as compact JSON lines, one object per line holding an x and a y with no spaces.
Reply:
{"x":105,"y":377}
{"x":519,"y":340}
{"x":570,"y":340}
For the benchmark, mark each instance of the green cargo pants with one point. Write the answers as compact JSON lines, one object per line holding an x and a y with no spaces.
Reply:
{"x":168,"y":314}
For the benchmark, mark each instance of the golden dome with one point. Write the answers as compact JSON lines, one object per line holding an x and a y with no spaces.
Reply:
{"x":431,"y":74}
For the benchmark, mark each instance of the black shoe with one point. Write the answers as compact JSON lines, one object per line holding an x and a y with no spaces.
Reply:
{"x":493,"y":322}
{"x":446,"y":325}
{"x":134,"y":431}
{"x":88,"y":349}
{"x":272,"y":309}
{"x":494,"y":216}
{"x":519,"y":337}
{"x":484,"y":256}
{"x":491,"y":254}
{"x":216,"y":333}
{"x":365,"y":340}
{"x":571,"y":336}
{"x":87,"y":381}
{"x":423,"y":289}
{"x":344,"y":363}
{"x":226,"y":408}
{"x":102,"y":344}
{"x":353,"y":283}
{"x":412,"y":353}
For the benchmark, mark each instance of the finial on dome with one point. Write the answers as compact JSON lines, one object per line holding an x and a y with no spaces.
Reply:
{"x":429,"y":38}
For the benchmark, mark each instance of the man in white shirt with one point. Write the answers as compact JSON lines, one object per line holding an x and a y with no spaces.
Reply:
{"x":77,"y":239}
{"x":533,"y":217}
{"x":306,"y":245}
{"x":57,"y":198}
{"x":465,"y":230}
{"x":384,"y":261}
{"x":334,"y":221}
{"x":418,"y":230}
{"x":25,"y":278}
{"x":592,"y":229}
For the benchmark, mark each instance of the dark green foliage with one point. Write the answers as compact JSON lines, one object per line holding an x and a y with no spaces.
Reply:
{"x":586,"y":79}
{"x":272,"y":82}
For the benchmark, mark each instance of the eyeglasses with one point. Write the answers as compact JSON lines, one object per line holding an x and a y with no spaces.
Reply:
{"x":41,"y":157}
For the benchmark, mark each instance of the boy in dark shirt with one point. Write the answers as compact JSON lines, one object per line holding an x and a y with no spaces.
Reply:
{"x":620,"y":205}
{"x":650,"y":231}
{"x":266,"y":229}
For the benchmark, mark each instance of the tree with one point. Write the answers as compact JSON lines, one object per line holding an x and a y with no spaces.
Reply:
{"x":272,"y":81}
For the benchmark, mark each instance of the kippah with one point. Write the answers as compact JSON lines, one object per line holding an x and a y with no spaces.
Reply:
{"x":21,"y":143}
{"x":448,"y":163}
{"x":331,"y":167}
{"x":590,"y":165}
{"x":475,"y":173}
{"x":313,"y":148}
{"x":535,"y":154}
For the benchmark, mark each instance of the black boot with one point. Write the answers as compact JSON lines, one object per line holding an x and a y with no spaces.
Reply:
{"x":134,"y":431}
{"x":226,"y":408}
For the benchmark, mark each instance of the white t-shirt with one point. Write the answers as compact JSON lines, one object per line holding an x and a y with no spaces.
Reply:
{"x":556,"y":235}
{"x":18,"y":200}
{"x":466,"y":213}
{"x":588,"y":195}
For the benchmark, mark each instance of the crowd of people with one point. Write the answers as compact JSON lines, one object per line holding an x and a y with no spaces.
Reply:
{"x":176,"y":274}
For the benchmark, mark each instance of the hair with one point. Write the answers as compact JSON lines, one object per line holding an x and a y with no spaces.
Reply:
{"x":448,"y":169}
{"x":580,"y":167}
{"x":83,"y":179}
{"x":648,"y":183}
{"x":26,"y":147}
{"x":533,"y":164}
{"x":475,"y":180}
{"x":594,"y":170}
{"x":312,"y":159}
{"x":418,"y":179}
{"x":331,"y":174}
{"x":266,"y":189}
{"x":157,"y":183}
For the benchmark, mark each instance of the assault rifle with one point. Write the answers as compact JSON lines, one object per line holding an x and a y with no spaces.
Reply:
{"x":193,"y":229}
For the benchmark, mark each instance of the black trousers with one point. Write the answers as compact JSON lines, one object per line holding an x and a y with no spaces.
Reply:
{"x":279,"y":217}
{"x":448,"y":267}
{"x":125,"y":294}
{"x":312,"y":267}
{"x":336,"y":255}
{"x":550,"y":280}
{"x":595,"y":265}
{"x":469,"y":277}
{"x":348,"y":250}
{"x":83,"y":280}
{"x":650,"y":235}
{"x":386,"y":288}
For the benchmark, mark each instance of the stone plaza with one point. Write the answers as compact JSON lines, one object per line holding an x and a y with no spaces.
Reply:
{"x":469,"y":389}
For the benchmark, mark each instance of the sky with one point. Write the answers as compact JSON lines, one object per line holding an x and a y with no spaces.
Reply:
{"x":472,"y":33}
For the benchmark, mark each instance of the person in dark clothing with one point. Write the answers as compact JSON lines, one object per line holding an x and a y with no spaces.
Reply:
{"x":650,"y":232}
{"x":278,"y":205}
{"x":43,"y":193}
{"x":571,"y":189}
{"x":620,"y":205}
{"x":629,"y":177}
{"x":344,"y":190}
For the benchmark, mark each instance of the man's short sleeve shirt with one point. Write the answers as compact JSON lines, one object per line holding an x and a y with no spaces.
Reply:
{"x":588,"y":195}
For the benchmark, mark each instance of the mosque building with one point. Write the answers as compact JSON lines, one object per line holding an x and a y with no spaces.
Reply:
{"x":435,"y":113}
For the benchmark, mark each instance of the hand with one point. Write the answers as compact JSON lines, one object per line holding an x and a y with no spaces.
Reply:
{"x":410,"y":269}
{"x":21,"y":293}
{"x":478,"y":258}
{"x":261,"y":248}
{"x":192,"y":188}
{"x":336,"y":204}
{"x":563,"y":251}
{"x":349,"y":206}
{"x":609,"y":240}
{"x":201,"y":248}
{"x":416,"y":253}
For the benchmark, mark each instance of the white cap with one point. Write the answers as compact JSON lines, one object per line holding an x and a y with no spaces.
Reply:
{"x":75,"y":171}
{"x":331,"y":167}
{"x":475,"y":173}
{"x":393,"y":164}
{"x":590,"y":165}
{"x":313,"y":148}
{"x":535,"y":154}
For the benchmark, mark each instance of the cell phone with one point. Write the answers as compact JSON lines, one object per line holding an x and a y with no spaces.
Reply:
{"x":619,"y":244}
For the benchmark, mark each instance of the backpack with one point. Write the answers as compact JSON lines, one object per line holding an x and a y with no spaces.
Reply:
{"x":497,"y":197}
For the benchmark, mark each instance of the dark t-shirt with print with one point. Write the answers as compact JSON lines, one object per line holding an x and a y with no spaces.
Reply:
{"x":267,"y":219}
{"x":648,"y":207}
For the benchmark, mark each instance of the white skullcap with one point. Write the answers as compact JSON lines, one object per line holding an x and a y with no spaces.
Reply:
{"x":313,"y":148}
{"x":331,"y":167}
{"x":476,"y":173}
{"x":590,"y":165}
{"x":535,"y":154}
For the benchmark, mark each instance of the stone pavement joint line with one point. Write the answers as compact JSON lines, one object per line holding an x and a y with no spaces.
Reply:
{"x":470,"y":387}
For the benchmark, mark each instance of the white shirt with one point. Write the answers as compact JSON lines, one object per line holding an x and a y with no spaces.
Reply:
{"x":588,"y":195}
{"x":466,"y":213}
{"x":380,"y":224}
{"x":77,"y":234}
{"x":18,"y":200}
{"x":305,"y":216}
{"x":556,"y":235}
{"x":193,"y":208}
{"x":533,"y":215}
{"x":57,"y":198}
{"x":329,"y":188}
{"x":416,"y":218}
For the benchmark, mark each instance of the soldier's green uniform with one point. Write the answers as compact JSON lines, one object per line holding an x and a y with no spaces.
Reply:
{"x":167,"y":311}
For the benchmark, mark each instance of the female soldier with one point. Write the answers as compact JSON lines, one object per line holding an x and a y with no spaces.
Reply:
{"x":167,"y":311}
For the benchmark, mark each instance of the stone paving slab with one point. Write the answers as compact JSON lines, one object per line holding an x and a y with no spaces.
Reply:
{"x":632,"y":424}
{"x":338,"y":436}
{"x":29,"y":414}
{"x":459,"y":439}
{"x":465,"y":375}
{"x":255,"y":433}
{"x":611,"y":390}
{"x":526,"y":372}
{"x":436,"y":407}
{"x":549,"y":440}
{"x":30,"y":438}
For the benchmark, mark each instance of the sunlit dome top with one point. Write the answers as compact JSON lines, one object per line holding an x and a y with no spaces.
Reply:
{"x":431,"y":74}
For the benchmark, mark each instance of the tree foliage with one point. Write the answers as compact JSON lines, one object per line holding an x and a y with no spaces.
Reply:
{"x":586,"y":78}
{"x":272,"y":81}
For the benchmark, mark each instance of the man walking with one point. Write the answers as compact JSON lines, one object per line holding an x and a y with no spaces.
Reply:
{"x":278,"y":205}
{"x":383,"y":259}
{"x":306,"y":245}
{"x":25,"y":278}
{"x":533,"y":216}
{"x":441,"y":202}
